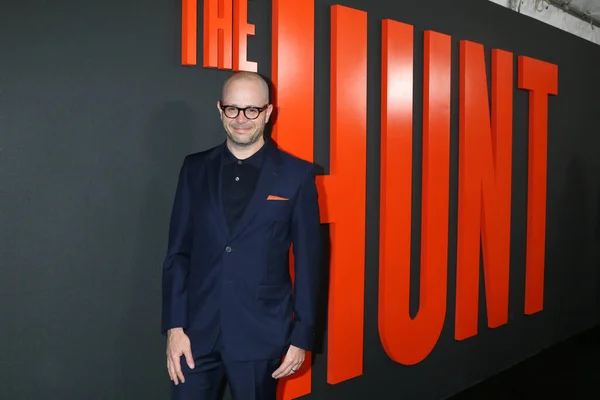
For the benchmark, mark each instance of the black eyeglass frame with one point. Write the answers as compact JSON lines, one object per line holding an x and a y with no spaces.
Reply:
{"x":239,"y":109}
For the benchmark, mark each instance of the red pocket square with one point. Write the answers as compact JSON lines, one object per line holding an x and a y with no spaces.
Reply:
{"x":272,"y":197}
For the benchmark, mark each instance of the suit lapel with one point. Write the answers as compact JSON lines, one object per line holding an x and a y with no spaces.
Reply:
{"x":264,"y":185}
{"x":214,"y":172}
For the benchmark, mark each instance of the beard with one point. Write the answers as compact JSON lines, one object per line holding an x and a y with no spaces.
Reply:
{"x":245,"y":140}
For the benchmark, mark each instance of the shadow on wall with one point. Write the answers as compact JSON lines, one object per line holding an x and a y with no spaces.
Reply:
{"x":167,"y":139}
{"x":597,"y":249}
{"x":322,"y":308}
{"x":322,"y":301}
{"x":568,"y":273}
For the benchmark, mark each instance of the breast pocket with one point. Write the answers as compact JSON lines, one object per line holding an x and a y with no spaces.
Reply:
{"x":278,"y":217}
{"x":279,"y":210}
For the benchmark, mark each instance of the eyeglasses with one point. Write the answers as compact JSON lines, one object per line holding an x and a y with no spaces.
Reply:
{"x":249,"y":112}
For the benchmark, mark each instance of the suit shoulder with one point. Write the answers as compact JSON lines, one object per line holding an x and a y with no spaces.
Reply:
{"x":197,"y":158}
{"x":295,"y":162}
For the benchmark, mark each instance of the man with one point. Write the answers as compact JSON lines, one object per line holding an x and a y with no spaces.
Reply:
{"x":228,"y":306}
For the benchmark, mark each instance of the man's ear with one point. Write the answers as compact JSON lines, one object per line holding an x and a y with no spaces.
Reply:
{"x":268,"y":113}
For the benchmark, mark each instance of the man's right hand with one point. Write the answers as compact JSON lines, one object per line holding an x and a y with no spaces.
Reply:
{"x":178,"y":344}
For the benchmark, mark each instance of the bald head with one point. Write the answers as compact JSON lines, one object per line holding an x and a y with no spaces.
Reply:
{"x":244,"y":109}
{"x":250,"y":77}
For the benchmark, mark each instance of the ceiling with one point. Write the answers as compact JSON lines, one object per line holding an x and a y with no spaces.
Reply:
{"x":588,"y":10}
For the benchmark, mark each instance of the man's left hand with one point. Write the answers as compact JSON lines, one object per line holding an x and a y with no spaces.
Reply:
{"x":291,"y":363}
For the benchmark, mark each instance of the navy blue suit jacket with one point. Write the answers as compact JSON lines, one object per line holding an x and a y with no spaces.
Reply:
{"x":238,"y":284}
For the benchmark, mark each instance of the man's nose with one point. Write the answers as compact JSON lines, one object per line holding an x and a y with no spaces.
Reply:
{"x":241,"y":117}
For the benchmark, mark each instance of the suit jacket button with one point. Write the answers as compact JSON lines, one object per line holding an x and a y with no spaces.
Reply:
{"x":228,"y":249}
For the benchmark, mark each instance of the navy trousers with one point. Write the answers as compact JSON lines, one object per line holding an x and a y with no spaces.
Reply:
{"x":248,"y":380}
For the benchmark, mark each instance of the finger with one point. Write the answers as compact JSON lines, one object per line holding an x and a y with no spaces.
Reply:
{"x":297,"y":367}
{"x":172,"y":373}
{"x":279,"y":372}
{"x":176,"y":369}
{"x":169,"y":368}
{"x":178,"y":372}
{"x":189,"y":358}
{"x":284,"y":370}
{"x":293,"y":370}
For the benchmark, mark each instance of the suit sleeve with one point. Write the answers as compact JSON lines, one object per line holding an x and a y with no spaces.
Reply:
{"x":177,"y":261}
{"x":307,"y":244}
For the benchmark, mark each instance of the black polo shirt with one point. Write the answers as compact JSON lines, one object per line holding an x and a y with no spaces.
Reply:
{"x":239,"y":179}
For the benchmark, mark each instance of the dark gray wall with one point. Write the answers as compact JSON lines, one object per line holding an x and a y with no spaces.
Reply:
{"x":96,"y":114}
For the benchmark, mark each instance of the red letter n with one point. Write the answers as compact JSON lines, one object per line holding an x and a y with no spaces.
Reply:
{"x":484,"y":188}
